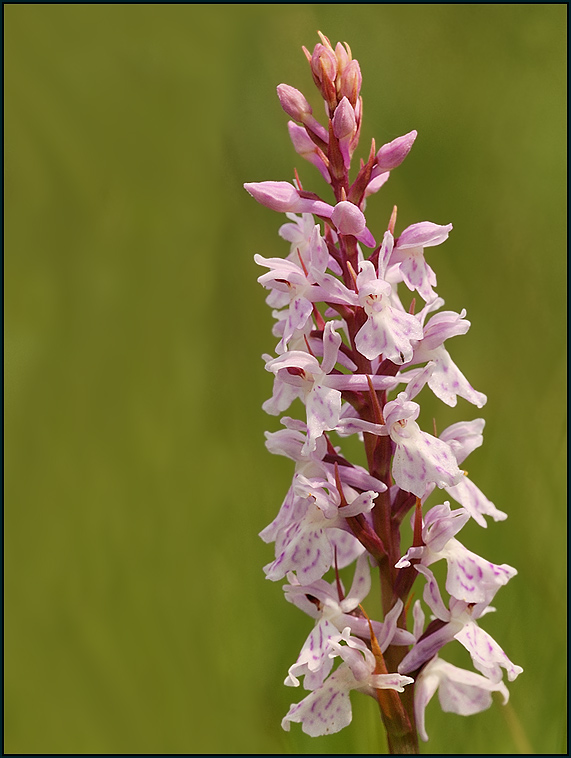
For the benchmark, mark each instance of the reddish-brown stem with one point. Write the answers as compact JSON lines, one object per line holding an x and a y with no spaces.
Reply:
{"x":382,"y":540}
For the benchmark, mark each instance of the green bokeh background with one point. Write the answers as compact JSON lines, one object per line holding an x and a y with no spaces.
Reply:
{"x":137,"y":617}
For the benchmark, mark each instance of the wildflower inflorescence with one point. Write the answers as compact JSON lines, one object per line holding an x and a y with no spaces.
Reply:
{"x":357,"y":358}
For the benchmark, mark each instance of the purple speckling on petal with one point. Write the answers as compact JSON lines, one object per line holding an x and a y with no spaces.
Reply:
{"x":315,"y":560}
{"x":331,"y":699}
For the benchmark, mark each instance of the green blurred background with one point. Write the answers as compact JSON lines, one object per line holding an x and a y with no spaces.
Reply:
{"x":137,"y":616}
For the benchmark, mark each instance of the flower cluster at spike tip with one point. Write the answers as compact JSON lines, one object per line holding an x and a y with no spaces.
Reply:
{"x":357,"y":357}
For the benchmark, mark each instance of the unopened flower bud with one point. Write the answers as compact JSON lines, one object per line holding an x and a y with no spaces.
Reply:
{"x":344,"y":126}
{"x":344,"y":122}
{"x":349,"y":83}
{"x":375,"y":184}
{"x":293,"y":102}
{"x":324,"y":63}
{"x":279,"y":196}
{"x":324,"y":70}
{"x":304,"y":146}
{"x":295,"y":105}
{"x":350,"y":220}
{"x":393,"y":153}
{"x":343,"y":57}
{"x":302,"y":143}
{"x":285,"y":198}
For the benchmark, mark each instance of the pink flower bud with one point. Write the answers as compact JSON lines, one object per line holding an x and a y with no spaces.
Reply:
{"x":279,"y":196}
{"x":344,"y":122}
{"x":350,"y":220}
{"x":324,"y":70}
{"x":304,"y":146}
{"x":393,"y":153}
{"x":293,"y":102}
{"x":375,"y":184}
{"x":284,"y":198}
{"x":324,"y":63}
{"x":302,"y":142}
{"x":343,"y":57}
{"x":349,"y":83}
